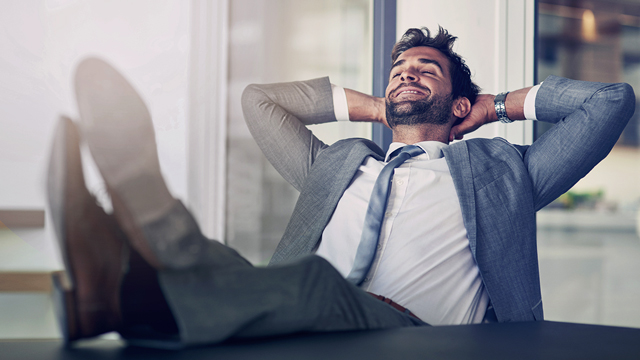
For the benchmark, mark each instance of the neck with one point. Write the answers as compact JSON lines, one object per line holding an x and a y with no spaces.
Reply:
{"x":411,"y":134}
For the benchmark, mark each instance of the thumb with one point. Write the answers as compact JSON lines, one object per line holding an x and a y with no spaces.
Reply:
{"x":466,"y":126}
{"x":455,"y":134}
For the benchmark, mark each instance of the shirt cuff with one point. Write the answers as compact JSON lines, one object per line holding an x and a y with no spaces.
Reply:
{"x":530,"y":103}
{"x":340,"y":107}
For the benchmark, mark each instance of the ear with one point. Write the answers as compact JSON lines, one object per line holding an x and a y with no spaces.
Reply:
{"x":461,"y":107}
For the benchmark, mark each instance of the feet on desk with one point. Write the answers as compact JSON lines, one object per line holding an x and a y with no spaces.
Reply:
{"x":92,"y":246}
{"x":117,"y":126}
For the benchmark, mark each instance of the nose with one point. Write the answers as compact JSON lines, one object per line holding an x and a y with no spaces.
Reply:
{"x":408,"y":75}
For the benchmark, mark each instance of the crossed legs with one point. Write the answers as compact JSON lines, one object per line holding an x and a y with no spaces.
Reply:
{"x":212,"y":292}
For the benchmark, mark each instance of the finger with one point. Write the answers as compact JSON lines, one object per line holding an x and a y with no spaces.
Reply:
{"x":453,"y":133}
{"x":456,"y":134}
{"x":464,"y":127}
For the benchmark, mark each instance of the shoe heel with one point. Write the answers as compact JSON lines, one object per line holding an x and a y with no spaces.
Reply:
{"x":63,"y":306}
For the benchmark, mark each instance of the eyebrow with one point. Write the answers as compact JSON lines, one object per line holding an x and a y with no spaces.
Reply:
{"x":421,"y":60}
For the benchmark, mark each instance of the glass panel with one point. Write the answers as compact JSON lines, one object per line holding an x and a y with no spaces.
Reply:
{"x":275,"y":41}
{"x":587,"y":239}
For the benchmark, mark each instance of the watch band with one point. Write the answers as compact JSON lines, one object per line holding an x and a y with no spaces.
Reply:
{"x":501,"y":109}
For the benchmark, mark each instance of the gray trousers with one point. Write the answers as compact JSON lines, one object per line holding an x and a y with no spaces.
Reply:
{"x":215,"y":294}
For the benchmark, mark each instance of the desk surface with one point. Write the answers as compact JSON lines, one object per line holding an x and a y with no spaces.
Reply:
{"x":541,"y":340}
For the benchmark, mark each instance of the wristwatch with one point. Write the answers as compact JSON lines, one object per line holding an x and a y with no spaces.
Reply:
{"x":501,"y":110}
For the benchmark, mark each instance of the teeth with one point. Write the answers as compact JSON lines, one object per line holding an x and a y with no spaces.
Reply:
{"x":409,"y":92}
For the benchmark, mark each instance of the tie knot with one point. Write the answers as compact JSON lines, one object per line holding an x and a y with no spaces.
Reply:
{"x":411,"y":150}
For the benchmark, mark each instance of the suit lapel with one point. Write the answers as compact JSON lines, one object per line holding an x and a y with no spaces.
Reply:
{"x":457,"y":156}
{"x":328,"y":178}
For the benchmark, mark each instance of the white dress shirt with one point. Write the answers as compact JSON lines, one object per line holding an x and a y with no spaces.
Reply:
{"x":423,"y":261}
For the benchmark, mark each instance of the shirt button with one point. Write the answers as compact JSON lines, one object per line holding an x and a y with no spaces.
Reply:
{"x":400,"y":182}
{"x":388,"y":214}
{"x":379,"y":247}
{"x":366,"y":279}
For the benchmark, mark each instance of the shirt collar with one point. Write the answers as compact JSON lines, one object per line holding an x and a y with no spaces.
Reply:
{"x":432,"y":149}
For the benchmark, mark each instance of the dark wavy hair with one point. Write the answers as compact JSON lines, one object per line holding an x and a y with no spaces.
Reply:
{"x":461,"y":82}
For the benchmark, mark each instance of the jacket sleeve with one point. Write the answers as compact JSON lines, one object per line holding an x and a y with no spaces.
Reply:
{"x":589,"y":117}
{"x":277,"y":115}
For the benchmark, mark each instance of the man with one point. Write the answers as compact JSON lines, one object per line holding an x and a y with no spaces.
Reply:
{"x":461,"y":217}
{"x":148,"y":272}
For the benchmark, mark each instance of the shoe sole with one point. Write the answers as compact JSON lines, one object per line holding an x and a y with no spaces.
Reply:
{"x":63,"y":281}
{"x":63,"y":304}
{"x":117,"y":126}
{"x":80,"y":224}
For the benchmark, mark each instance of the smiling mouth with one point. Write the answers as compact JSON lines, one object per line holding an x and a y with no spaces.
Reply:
{"x":412,"y":90}
{"x":409,"y":92}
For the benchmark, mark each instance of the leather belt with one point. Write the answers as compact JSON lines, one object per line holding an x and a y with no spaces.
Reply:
{"x":489,"y":316}
{"x":395,"y":305}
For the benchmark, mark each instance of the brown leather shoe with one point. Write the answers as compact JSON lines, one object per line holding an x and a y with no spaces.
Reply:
{"x":87,"y":294}
{"x":117,"y":127}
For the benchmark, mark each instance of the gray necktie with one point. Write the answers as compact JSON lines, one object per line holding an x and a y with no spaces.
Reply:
{"x":375,"y":215}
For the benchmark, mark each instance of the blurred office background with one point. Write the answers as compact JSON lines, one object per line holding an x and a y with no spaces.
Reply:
{"x":190,"y":60}
{"x":588,"y":239}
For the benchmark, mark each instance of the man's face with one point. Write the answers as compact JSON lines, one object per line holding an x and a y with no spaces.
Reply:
{"x":419,"y":90}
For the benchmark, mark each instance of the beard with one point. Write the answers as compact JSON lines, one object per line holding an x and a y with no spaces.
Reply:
{"x":434,"y":110}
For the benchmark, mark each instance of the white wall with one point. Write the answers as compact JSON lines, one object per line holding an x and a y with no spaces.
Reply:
{"x":41,"y":41}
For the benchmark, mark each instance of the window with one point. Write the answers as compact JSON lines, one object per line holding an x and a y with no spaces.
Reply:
{"x":588,"y":242}
{"x":275,"y":41}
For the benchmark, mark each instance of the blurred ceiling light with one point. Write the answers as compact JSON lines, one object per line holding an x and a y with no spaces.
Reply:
{"x":589,"y":31}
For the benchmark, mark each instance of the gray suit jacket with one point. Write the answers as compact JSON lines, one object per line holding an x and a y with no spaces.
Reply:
{"x":500,"y":185}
